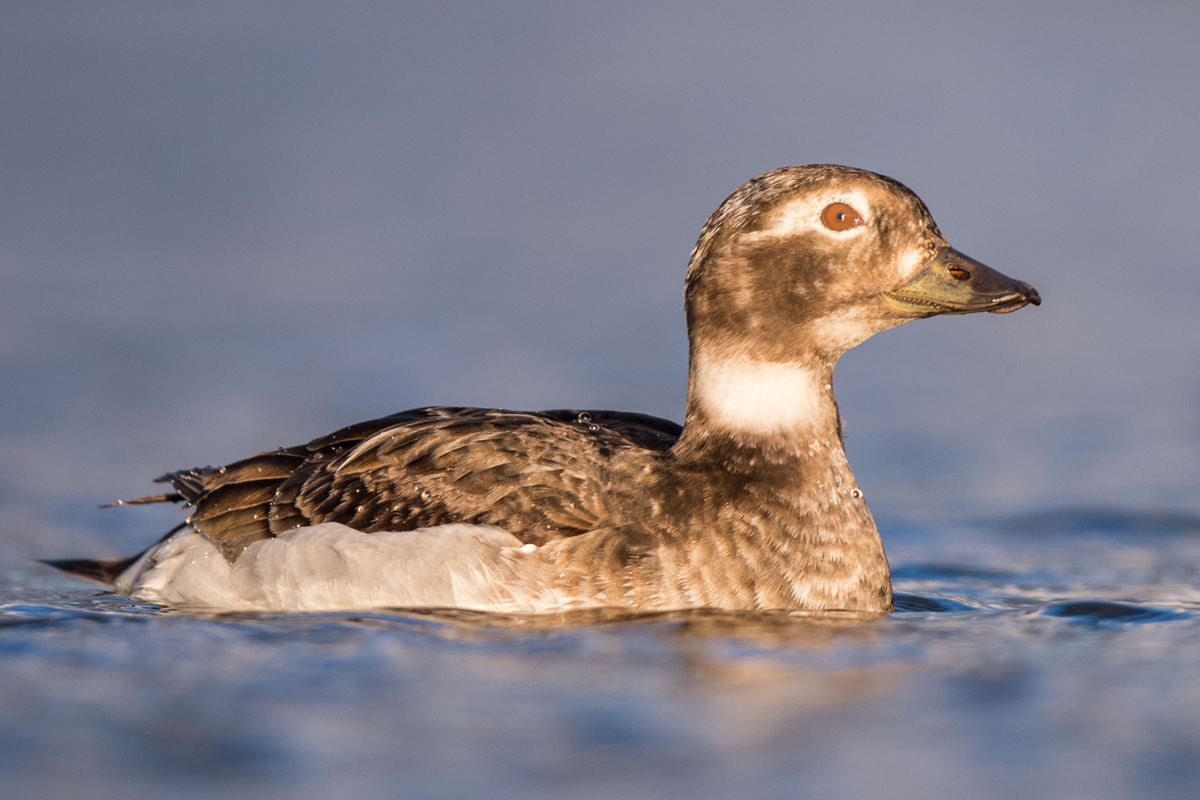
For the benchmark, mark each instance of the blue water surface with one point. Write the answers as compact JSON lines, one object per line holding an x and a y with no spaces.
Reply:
{"x":1053,"y":652}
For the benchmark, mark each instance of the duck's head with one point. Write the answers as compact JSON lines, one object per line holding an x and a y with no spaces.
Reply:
{"x":802,"y":263}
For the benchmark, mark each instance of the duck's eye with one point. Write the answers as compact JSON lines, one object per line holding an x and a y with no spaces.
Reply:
{"x":840,"y":217}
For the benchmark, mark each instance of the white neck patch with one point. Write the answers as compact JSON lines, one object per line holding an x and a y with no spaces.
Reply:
{"x":762,"y":398}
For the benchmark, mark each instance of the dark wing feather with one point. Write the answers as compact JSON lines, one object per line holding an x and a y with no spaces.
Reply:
{"x":541,"y":476}
{"x":641,"y":430}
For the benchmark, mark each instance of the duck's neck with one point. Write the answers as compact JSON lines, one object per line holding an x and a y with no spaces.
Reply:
{"x":762,"y":467}
{"x":778,"y":408}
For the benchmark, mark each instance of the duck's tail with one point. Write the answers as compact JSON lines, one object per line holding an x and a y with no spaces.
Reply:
{"x":103,"y":570}
{"x":141,"y":501}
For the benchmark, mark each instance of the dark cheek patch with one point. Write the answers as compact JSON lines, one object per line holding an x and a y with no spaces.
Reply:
{"x":771,"y":294}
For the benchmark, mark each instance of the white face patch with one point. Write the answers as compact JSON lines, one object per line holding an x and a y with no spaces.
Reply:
{"x":838,"y":332}
{"x":762,"y":398}
{"x":803,"y":215}
{"x":910,"y":263}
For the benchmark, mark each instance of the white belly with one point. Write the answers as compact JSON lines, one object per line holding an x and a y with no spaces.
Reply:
{"x":330,"y":567}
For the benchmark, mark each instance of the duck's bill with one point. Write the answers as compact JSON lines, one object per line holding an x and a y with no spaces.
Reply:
{"x":953,"y":283}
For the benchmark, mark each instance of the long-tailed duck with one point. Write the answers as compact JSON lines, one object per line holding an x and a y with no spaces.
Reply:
{"x":749,"y":505}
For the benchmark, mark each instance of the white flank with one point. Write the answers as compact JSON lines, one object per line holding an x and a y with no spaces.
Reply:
{"x":329,"y":567}
{"x":762,"y":398}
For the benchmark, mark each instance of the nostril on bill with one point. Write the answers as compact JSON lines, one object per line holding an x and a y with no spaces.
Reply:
{"x":958,"y":273}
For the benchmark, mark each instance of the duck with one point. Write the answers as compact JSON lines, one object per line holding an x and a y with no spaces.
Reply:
{"x":750,"y":504}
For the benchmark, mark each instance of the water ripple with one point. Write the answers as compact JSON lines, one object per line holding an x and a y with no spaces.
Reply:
{"x":1107,"y":613}
{"x":907,"y":602}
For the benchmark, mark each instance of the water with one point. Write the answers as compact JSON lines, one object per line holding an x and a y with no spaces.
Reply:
{"x":1046,"y":655}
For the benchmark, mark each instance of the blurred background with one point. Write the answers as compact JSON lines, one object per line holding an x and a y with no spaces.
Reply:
{"x":230,"y":226}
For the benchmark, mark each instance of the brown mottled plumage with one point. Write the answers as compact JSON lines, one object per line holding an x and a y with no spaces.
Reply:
{"x":425,"y":467}
{"x":751,"y":504}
